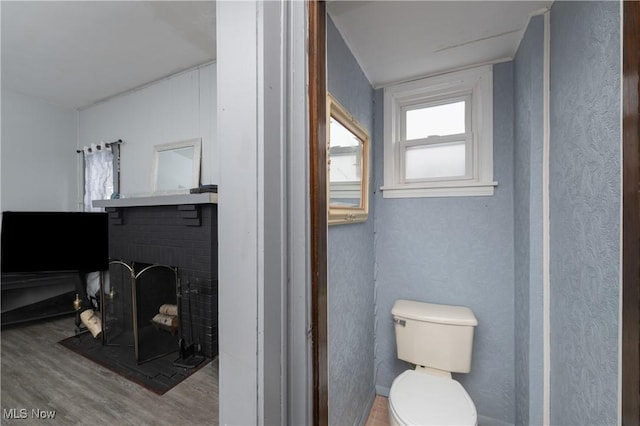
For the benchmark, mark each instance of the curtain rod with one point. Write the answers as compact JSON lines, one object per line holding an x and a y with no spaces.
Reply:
{"x":99,"y":146}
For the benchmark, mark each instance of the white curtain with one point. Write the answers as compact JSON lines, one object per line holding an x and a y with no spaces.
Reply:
{"x":98,"y":175}
{"x":98,"y":185}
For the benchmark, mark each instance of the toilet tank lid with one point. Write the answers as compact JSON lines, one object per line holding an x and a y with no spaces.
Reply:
{"x":431,"y":312}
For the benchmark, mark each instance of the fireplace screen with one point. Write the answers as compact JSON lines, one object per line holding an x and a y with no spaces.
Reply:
{"x":141,"y":309}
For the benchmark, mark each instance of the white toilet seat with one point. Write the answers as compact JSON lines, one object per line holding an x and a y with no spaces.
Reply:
{"x":417,"y":398}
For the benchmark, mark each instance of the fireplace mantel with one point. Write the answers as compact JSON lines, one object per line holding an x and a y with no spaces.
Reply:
{"x":160,"y":200}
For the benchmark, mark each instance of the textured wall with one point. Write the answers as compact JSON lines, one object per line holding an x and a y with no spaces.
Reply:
{"x":528,"y":127}
{"x":585,"y":209}
{"x":456,"y":250}
{"x":350,"y":258}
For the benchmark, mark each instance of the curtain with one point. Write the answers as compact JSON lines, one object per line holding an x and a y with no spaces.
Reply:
{"x":98,"y":185}
{"x":98,"y":175}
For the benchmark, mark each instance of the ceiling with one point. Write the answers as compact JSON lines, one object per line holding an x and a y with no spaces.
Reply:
{"x":76,"y":53}
{"x":401,"y":40}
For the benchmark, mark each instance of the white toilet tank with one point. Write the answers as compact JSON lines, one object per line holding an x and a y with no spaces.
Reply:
{"x":434,"y":336}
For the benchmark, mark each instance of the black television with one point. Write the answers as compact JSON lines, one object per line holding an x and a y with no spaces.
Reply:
{"x":54,"y":241}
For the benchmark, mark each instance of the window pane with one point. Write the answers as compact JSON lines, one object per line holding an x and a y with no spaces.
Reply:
{"x":440,"y":120}
{"x":435,"y":161}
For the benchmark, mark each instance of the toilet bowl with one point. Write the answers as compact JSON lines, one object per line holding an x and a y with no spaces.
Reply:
{"x":417,"y":398}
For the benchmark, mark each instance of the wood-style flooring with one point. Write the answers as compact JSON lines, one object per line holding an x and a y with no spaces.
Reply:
{"x":40,"y":374}
{"x":379,"y":414}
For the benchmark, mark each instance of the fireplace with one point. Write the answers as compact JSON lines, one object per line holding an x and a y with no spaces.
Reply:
{"x":163,"y":251}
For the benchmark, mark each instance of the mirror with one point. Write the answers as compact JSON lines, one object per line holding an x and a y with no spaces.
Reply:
{"x":348,"y":166}
{"x":176,"y":166}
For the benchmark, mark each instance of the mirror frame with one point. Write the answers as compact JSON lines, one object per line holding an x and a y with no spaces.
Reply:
{"x":343,"y":215}
{"x":196,"y":143}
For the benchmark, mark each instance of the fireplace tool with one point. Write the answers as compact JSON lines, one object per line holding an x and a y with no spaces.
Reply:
{"x":187,"y":351}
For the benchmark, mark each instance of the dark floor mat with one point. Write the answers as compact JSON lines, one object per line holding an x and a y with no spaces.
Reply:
{"x":158,"y":375}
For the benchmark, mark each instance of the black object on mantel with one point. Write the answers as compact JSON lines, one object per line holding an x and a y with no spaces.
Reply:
{"x":204,"y":188}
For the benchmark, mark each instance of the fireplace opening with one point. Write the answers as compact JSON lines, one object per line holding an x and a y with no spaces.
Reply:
{"x":140,"y":309}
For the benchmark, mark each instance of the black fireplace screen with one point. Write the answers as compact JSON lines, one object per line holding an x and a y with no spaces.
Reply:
{"x":140,"y":309}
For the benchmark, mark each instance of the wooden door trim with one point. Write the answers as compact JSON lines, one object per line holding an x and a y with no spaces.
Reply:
{"x":318,"y":206}
{"x":631,"y":214}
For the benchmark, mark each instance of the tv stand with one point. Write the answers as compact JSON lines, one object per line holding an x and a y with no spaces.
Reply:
{"x":37,"y":295}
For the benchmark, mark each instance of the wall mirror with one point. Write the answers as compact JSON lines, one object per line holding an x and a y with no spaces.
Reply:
{"x":176,"y":166}
{"x":348,"y":166}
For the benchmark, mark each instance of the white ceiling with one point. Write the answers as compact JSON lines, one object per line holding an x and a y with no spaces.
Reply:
{"x":401,"y":40}
{"x":76,"y":53}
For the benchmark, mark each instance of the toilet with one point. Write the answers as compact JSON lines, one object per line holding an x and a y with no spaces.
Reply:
{"x":438,"y":340}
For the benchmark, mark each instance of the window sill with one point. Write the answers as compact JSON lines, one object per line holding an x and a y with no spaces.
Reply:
{"x":453,"y":189}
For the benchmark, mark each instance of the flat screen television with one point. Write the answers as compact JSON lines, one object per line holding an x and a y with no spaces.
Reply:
{"x":54,"y":241}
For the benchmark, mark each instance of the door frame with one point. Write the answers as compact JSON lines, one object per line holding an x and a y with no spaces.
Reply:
{"x":631,"y":213}
{"x":318,"y":207}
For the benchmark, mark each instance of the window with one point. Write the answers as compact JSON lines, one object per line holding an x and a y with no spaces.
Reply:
{"x":438,"y":137}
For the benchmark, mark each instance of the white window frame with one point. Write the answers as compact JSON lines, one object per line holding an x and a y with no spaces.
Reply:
{"x":475,"y":86}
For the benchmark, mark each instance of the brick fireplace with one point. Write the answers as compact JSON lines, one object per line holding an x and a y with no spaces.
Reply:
{"x":179,"y":232}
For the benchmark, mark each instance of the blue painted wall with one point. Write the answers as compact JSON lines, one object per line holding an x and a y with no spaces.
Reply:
{"x":457,"y":250}
{"x":350,"y":261}
{"x":528,"y":137}
{"x":584,"y":211}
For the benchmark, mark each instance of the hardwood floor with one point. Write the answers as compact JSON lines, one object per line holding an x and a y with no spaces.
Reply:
{"x":39,"y":374}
